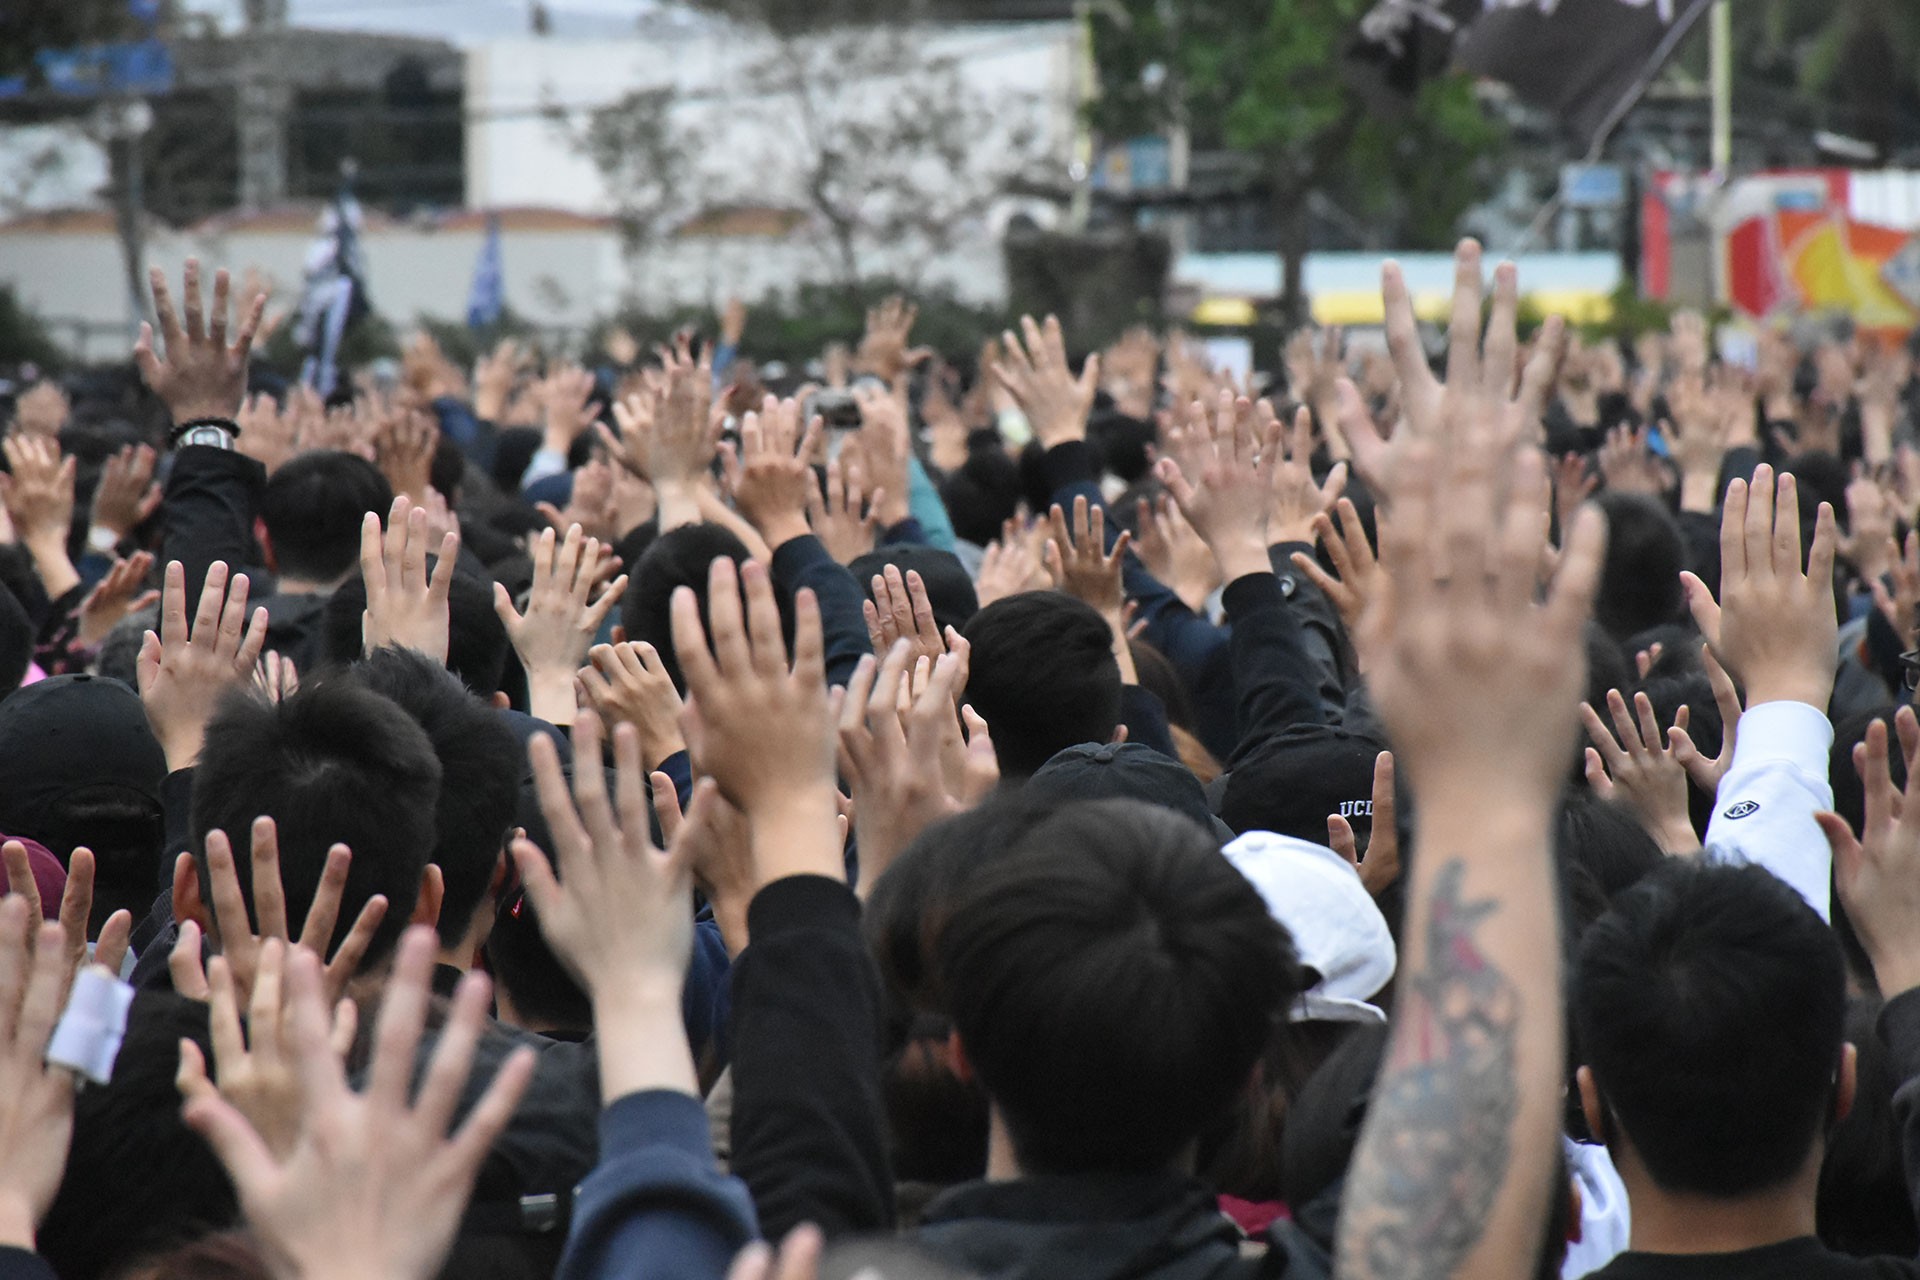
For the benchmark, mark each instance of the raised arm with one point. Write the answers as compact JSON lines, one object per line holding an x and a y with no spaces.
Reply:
{"x":1477,"y":685}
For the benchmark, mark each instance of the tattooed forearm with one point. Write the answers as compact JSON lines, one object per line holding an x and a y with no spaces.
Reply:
{"x":1436,"y":1144}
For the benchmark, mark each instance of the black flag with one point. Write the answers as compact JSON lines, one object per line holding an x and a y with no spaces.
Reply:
{"x":1588,"y":61}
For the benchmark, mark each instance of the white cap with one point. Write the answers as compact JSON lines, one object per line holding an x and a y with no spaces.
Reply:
{"x":1337,"y":930}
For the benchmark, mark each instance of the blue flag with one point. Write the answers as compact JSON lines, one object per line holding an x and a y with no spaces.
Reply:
{"x":489,"y":296}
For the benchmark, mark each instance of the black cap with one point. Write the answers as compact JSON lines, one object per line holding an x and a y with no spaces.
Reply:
{"x":1129,"y":771}
{"x":949,"y":588}
{"x":71,"y":734}
{"x":1300,"y":780}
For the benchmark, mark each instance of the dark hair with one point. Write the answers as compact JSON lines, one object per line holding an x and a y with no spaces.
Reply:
{"x":480,"y":771}
{"x":530,"y":975}
{"x":1113,"y":981}
{"x":225,"y":1255}
{"x":1043,"y":677}
{"x":984,"y":493}
{"x":448,"y":470}
{"x":1640,"y":582}
{"x":137,"y":1179}
{"x":1862,"y":1207}
{"x":909,"y":905}
{"x":1603,"y":851}
{"x":1710,"y":1005}
{"x":477,"y":645}
{"x":333,"y":763}
{"x":678,"y":558}
{"x":313,"y":506}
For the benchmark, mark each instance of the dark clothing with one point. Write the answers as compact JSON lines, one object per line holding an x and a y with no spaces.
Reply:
{"x":1270,"y":667}
{"x":19,"y":1264}
{"x":804,"y":562}
{"x":656,"y":1205}
{"x":1807,"y":1258}
{"x":809,"y":1136}
{"x":296,"y":626}
{"x":212,"y":500}
{"x":1154,"y":1226}
{"x":1802,"y":1259}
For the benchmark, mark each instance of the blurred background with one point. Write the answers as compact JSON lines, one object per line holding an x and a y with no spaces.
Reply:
{"x":553,"y":168}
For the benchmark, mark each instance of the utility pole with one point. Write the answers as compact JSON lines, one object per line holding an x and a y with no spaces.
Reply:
{"x":1720,"y":143}
{"x":263,"y":101}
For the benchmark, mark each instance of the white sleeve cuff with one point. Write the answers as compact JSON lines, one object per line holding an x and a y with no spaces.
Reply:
{"x":1763,"y":814}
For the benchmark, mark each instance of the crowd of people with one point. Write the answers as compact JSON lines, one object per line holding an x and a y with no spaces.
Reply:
{"x":1450,"y":812}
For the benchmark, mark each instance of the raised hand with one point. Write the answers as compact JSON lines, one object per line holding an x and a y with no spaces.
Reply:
{"x":1482,"y":373}
{"x":1900,"y":604}
{"x":404,"y":441}
{"x":1706,"y":771}
{"x":564,"y":614}
{"x":267,"y":435}
{"x":1036,"y":373}
{"x":1010,"y":566}
{"x":627,"y":682}
{"x":893,"y":760}
{"x":1878,"y":874}
{"x":36,"y":1100}
{"x":202,"y":375}
{"x":615,"y":909}
{"x":123,"y":591}
{"x":236,"y":926}
{"x":566,"y":397}
{"x":404,"y":606}
{"x":373,"y":1186}
{"x":1380,"y":869}
{"x":719,"y":849}
{"x":1355,"y":568}
{"x":1080,"y":565}
{"x":184,"y":672}
{"x":1298,"y":502}
{"x":758,"y":726}
{"x":900,"y":610}
{"x":127,"y":494}
{"x":887,"y":446}
{"x":42,"y":409}
{"x":258,"y":1068}
{"x":1775,"y":627}
{"x":1636,"y":770}
{"x":1174,"y":553}
{"x":75,"y":913}
{"x":1228,"y":499}
{"x":1628,"y":465}
{"x":494,"y":375}
{"x":38,"y":491}
{"x":883,"y":348}
{"x":666,"y":433}
{"x":844,"y":516}
{"x":775,"y":482}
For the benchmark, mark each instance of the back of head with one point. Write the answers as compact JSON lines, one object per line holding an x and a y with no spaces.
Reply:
{"x":480,"y":770}
{"x":81,"y":767}
{"x":1042,"y":676}
{"x":334,"y":763}
{"x":678,"y":558}
{"x":1603,"y":851}
{"x":1862,"y":1207}
{"x":1709,"y":1004}
{"x":478,"y":649}
{"x":1640,"y":582}
{"x":137,"y":1181}
{"x":984,"y":493}
{"x":1113,"y":980}
{"x":313,"y":507}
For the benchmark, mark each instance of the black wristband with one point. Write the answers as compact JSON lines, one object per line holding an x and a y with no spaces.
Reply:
{"x":227,"y":425}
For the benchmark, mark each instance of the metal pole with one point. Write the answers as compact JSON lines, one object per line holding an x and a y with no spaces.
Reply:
{"x":1720,"y":56}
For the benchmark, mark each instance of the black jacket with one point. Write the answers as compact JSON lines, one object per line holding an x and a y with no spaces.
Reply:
{"x":1156,"y":1226}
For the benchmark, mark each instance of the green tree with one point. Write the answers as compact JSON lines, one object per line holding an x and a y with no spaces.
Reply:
{"x":1848,"y":65}
{"x":1269,"y":80}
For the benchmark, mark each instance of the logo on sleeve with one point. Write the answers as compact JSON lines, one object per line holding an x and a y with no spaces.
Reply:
{"x":1745,"y":809}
